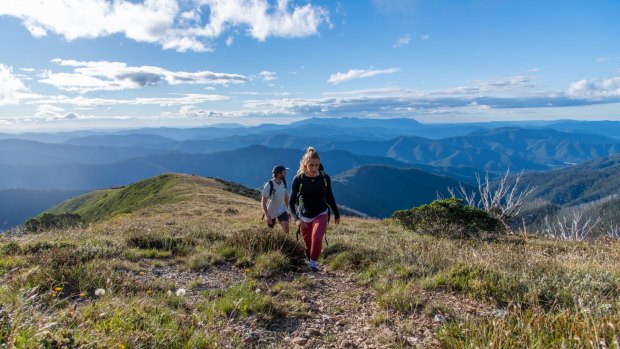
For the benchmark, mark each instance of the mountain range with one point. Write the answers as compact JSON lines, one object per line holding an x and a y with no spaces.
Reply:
{"x":553,"y":155}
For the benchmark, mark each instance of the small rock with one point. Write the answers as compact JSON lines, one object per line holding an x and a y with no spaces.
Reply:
{"x":299,"y":341}
{"x":412,"y":340}
{"x":347,"y":344}
{"x":439,"y":318}
{"x":313,"y":332}
{"x":500,"y":313}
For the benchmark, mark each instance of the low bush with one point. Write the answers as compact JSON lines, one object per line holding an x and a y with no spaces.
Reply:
{"x":448,"y":218}
{"x":49,"y":221}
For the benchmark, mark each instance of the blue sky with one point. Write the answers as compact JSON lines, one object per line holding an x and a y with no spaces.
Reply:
{"x":101,"y":64}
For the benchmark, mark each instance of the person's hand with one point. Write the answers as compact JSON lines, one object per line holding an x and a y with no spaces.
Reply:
{"x":301,"y":224}
{"x":336,"y":220}
{"x":268,"y":219}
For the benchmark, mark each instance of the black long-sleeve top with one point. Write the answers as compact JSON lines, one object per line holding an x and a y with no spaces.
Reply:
{"x":310,"y":196}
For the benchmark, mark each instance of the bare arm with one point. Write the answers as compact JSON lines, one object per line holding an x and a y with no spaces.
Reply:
{"x":263,"y":202}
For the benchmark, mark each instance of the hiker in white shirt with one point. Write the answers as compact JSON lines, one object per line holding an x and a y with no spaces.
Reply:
{"x":275,"y":199}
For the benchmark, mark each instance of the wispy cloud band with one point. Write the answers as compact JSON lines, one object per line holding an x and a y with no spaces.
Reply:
{"x":353,"y":74}
{"x":114,"y":76}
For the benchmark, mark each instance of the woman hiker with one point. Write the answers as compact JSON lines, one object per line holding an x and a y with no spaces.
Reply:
{"x":311,"y":199}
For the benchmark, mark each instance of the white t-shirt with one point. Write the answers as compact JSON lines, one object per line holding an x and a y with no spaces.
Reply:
{"x":275,"y":204}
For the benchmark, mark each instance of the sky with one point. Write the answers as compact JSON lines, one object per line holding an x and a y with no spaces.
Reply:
{"x":84,"y":64}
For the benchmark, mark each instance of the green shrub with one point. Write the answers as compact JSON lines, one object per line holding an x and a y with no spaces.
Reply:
{"x":49,"y":221}
{"x":450,"y":219}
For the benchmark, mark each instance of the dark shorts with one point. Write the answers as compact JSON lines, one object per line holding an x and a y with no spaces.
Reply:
{"x":282,"y":218}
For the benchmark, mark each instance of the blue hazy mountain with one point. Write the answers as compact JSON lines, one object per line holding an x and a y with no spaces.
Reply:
{"x":250,"y":166}
{"x":146,"y":141}
{"x":379,"y":190}
{"x":25,"y":152}
{"x":17,"y":205}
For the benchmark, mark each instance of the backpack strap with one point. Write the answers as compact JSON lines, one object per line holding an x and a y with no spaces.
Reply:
{"x":271,"y":189}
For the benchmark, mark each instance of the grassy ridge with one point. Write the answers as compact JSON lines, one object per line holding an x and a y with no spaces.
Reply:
{"x":107,"y":203}
{"x":516,"y":291}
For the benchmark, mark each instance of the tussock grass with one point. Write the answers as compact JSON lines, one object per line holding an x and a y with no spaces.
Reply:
{"x":271,"y":263}
{"x":480,"y":282}
{"x":550,"y":293}
{"x":244,"y":300}
{"x":256,"y":242}
{"x":344,"y":256}
{"x":398,"y":296}
{"x":535,"y":329}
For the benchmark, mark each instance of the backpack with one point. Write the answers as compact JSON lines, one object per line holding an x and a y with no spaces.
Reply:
{"x":272,"y":189}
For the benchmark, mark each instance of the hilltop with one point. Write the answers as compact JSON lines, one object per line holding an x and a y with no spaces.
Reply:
{"x":185,"y":261}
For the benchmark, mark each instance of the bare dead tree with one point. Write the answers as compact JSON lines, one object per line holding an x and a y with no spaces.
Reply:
{"x":571,"y":228}
{"x":503,"y":201}
{"x":613,"y":231}
{"x":470,"y":198}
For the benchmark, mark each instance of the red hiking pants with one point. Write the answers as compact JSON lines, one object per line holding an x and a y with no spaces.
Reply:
{"x":313,"y":236}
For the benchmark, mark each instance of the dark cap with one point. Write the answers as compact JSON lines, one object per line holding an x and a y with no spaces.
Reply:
{"x":279,"y":168}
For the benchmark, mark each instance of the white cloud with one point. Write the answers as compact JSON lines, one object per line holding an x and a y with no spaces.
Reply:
{"x":403,"y":40}
{"x":51,"y":112}
{"x":115,"y":76}
{"x":595,"y":89}
{"x":479,"y":96}
{"x":83,"y":102}
{"x":12,"y":89}
{"x":425,"y":37}
{"x":190,"y":112}
{"x":602,"y":59}
{"x":268,"y":75}
{"x":263,"y":20}
{"x":29,"y":70}
{"x":173,"y":24}
{"x":358,"y":74}
{"x":230,"y":40}
{"x":48,"y":111}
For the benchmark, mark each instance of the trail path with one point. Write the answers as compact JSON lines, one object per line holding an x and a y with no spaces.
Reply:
{"x":339,"y":312}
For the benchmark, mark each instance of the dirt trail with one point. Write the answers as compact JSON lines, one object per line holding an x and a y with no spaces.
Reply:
{"x":339,"y":313}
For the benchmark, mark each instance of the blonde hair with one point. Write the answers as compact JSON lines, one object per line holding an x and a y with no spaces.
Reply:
{"x":309,"y":155}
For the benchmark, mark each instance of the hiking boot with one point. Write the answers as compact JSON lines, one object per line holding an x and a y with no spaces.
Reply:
{"x":313,"y":265}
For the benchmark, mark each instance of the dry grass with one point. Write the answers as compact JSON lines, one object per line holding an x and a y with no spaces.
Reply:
{"x":48,"y":280}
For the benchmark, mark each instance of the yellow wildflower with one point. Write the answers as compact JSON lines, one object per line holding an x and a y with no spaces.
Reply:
{"x":58,"y":289}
